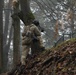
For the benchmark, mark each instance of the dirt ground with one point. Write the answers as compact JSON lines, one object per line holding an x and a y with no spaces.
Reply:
{"x":60,"y":60}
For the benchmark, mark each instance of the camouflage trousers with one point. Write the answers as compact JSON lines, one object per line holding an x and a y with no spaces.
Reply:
{"x":25,"y":51}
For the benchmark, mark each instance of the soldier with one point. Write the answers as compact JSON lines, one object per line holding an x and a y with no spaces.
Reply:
{"x":30,"y":34}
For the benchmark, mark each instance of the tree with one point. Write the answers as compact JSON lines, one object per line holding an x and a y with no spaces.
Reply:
{"x":7,"y":32}
{"x":16,"y":37}
{"x":1,"y":35}
{"x":71,"y":13}
{"x":48,"y":12}
{"x":26,"y":14}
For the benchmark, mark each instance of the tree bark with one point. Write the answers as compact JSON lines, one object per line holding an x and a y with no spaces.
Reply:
{"x":26,"y":12}
{"x":6,"y":45}
{"x":1,"y":35}
{"x":16,"y":37}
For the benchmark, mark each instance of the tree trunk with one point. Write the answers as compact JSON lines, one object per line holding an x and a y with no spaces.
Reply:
{"x":16,"y":37}
{"x":6,"y":45}
{"x":1,"y":35}
{"x":26,"y":16}
{"x":26,"y":12}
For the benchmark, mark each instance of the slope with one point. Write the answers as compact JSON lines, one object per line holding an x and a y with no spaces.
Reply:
{"x":60,"y":60}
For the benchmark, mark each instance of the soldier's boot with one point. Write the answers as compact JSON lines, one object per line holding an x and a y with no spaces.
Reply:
{"x":22,"y":68}
{"x":29,"y":56}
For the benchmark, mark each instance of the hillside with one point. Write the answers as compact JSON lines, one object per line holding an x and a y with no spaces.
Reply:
{"x":56,"y":61}
{"x":60,"y":60}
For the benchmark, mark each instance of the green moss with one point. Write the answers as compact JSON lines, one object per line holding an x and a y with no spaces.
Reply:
{"x":65,"y":43}
{"x":62,"y":44}
{"x":30,"y":16}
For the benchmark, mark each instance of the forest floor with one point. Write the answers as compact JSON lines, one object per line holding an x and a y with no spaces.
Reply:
{"x":60,"y":60}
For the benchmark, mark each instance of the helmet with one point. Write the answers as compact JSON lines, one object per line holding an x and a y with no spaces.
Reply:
{"x":36,"y":22}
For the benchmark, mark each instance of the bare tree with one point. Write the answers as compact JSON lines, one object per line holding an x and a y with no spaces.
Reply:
{"x":1,"y":35}
{"x":7,"y":32}
{"x":16,"y":37}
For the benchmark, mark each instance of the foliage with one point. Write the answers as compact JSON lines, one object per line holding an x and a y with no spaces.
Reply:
{"x":53,"y":10}
{"x":30,"y":17}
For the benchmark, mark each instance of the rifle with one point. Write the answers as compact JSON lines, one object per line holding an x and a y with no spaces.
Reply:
{"x":41,"y":28}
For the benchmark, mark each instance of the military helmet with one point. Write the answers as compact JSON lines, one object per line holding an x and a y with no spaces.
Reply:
{"x":36,"y":22}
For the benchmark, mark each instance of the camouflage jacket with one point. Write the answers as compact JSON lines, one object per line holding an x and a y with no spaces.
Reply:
{"x":31,"y":30}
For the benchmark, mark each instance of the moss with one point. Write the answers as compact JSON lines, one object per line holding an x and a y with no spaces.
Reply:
{"x":60,"y":45}
{"x":65,"y":43}
{"x":30,"y":16}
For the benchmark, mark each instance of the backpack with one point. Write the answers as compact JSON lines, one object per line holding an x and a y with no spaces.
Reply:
{"x":28,"y":36}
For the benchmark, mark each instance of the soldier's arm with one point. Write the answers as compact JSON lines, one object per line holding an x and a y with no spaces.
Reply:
{"x":37,"y":31}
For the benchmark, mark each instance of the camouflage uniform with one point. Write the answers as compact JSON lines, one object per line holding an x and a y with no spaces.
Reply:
{"x":27,"y":40}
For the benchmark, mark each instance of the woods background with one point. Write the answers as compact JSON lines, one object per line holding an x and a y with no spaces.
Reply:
{"x":55,"y":16}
